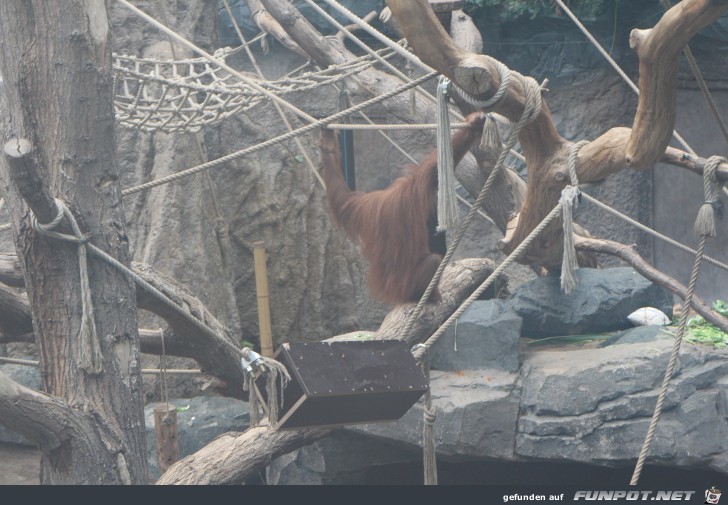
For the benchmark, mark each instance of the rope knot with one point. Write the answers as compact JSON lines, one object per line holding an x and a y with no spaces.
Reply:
{"x":429,"y":416}
{"x":90,"y":358}
{"x":505,"y":76}
{"x":705,"y":222}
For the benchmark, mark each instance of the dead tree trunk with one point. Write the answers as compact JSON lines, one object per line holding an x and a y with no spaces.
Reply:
{"x":56,"y":63}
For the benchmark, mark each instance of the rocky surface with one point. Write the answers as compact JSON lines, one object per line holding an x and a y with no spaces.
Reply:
{"x":601,"y":302}
{"x":199,"y":421}
{"x":591,"y":406}
{"x":486,"y":336}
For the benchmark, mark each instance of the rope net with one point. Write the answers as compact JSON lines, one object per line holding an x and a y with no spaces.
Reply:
{"x":186,"y":95}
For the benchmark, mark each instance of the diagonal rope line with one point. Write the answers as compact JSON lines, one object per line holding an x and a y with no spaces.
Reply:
{"x":531,"y":110}
{"x":278,"y":108}
{"x":280,"y":138}
{"x":652,"y":232}
{"x":670,"y":366}
{"x":421,"y":349}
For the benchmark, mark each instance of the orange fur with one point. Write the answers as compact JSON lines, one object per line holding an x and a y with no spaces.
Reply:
{"x":391,"y":224}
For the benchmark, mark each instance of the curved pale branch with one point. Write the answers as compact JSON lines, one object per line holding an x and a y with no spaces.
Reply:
{"x":546,"y":152}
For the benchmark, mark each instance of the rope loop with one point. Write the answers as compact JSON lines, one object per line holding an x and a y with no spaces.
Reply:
{"x":505,"y":76}
{"x":711,"y":208}
{"x":90,"y":358}
{"x":573,"y":154}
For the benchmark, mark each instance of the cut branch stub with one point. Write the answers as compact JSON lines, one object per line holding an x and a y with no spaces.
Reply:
{"x":26,"y":175}
{"x":659,"y":52}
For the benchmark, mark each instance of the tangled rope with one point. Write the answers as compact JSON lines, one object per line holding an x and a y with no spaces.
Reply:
{"x":188,"y":94}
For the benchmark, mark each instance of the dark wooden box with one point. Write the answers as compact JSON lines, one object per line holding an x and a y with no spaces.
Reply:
{"x":348,"y":382}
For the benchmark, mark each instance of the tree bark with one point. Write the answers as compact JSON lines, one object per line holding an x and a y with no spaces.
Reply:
{"x":230,"y":458}
{"x":193,"y":332}
{"x":56,"y":63}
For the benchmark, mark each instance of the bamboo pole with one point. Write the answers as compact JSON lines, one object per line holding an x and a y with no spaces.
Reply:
{"x":261,"y":287}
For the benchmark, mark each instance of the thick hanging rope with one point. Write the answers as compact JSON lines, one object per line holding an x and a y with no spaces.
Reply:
{"x":428,"y":433}
{"x":254,"y":365}
{"x":532,"y":108}
{"x":705,"y":222}
{"x":569,"y":265}
{"x":705,"y":230}
{"x":570,"y":198}
{"x":447,"y":205}
{"x":90,"y":358}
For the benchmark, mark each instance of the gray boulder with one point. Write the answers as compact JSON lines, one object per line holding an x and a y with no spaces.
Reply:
{"x":199,"y":421}
{"x":486,"y":336}
{"x":595,"y":406}
{"x":640,"y":334}
{"x":476,"y":410}
{"x":600,"y":303}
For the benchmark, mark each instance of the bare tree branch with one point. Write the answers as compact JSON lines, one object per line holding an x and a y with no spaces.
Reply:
{"x":628,"y":254}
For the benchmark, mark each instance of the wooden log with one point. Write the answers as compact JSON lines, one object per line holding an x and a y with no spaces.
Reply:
{"x":261,"y":288}
{"x":167,"y":435}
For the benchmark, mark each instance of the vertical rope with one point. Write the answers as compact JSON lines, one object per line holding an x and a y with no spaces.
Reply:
{"x":705,"y":231}
{"x":705,"y":222}
{"x":569,"y":265}
{"x":570,"y":198}
{"x":275,"y":372}
{"x":90,"y":358}
{"x":531,"y":110}
{"x":429,"y":416}
{"x":447,"y":206}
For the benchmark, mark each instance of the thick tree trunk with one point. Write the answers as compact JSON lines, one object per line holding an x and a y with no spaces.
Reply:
{"x":56,"y":62}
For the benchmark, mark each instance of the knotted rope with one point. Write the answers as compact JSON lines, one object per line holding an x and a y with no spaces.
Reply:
{"x":447,"y":205}
{"x":254,"y":365}
{"x":505,"y":76}
{"x":90,"y":358}
{"x":570,"y":198}
{"x":705,"y":227}
{"x":429,"y":417}
{"x":705,"y":222}
{"x":532,"y":108}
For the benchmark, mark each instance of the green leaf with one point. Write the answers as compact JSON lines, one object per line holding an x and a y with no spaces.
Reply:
{"x":299,"y":158}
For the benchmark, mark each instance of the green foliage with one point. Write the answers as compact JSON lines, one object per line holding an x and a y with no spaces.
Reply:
{"x":700,"y":331}
{"x":509,"y":10}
